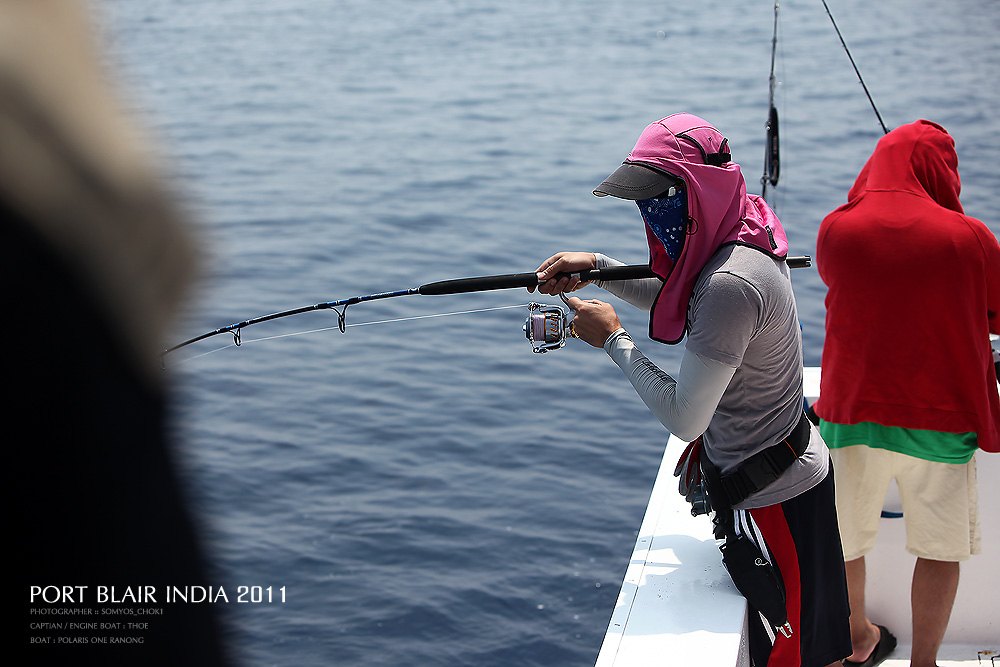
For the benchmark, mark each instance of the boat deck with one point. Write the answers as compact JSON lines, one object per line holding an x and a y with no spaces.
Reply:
{"x":678,"y":606}
{"x":950,"y":655}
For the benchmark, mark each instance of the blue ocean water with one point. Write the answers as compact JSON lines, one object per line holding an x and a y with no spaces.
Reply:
{"x":428,"y":491}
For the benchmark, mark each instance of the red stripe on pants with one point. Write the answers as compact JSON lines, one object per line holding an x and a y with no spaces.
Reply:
{"x":771,"y":521}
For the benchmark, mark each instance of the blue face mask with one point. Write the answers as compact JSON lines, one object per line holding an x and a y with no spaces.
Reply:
{"x":667,"y":218}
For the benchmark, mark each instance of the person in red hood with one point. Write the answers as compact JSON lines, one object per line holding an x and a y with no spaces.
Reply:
{"x":909,"y":389}
{"x":722,"y":286}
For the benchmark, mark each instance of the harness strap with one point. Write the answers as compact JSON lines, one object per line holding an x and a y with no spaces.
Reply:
{"x":757,"y":471}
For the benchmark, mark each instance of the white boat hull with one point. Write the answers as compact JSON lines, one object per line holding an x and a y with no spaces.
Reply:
{"x":678,"y":606}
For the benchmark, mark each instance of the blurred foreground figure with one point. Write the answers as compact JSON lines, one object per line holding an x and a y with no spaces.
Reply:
{"x":95,"y":263}
{"x":909,"y":389}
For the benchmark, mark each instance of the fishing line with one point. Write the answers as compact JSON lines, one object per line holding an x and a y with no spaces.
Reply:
{"x":425,"y":317}
{"x":856,"y":71}
{"x":338,"y":328}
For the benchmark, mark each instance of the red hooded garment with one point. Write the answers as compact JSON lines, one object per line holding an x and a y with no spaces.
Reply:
{"x":914,"y":286}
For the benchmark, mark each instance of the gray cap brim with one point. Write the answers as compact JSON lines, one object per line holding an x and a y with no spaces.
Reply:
{"x":635,"y":181}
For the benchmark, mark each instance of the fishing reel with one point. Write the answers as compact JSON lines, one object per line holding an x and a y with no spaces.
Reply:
{"x":547,"y":327}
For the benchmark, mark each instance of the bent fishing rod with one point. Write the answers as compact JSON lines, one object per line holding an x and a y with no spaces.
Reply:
{"x":455,"y":286}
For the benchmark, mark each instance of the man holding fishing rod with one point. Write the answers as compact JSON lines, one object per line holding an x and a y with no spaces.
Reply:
{"x":723,"y":287}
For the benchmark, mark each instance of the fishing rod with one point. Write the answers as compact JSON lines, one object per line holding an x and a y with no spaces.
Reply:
{"x":772,"y":157}
{"x":856,"y":71}
{"x":459,"y":286}
{"x":772,"y":154}
{"x":456,"y":286}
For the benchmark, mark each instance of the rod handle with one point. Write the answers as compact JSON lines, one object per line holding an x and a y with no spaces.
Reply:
{"x":512,"y":280}
{"x":481,"y":284}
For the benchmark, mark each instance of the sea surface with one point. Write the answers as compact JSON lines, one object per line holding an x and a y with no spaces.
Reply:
{"x":425,"y":489}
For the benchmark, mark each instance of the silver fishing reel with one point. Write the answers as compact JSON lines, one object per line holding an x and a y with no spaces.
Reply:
{"x":547,"y":327}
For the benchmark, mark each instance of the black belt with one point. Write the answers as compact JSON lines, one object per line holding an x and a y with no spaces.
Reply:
{"x":758,"y":471}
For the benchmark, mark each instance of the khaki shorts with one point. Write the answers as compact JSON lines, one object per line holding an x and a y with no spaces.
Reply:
{"x":940,"y":503}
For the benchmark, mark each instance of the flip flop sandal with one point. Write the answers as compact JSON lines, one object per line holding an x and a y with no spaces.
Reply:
{"x":886,"y":644}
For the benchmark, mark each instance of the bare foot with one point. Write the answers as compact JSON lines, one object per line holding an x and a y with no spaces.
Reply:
{"x":864,"y":647}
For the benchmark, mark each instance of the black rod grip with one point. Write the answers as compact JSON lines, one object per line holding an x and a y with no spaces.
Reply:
{"x":799,"y":262}
{"x":512,"y":280}
{"x":481,"y":284}
{"x":628,"y":272}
